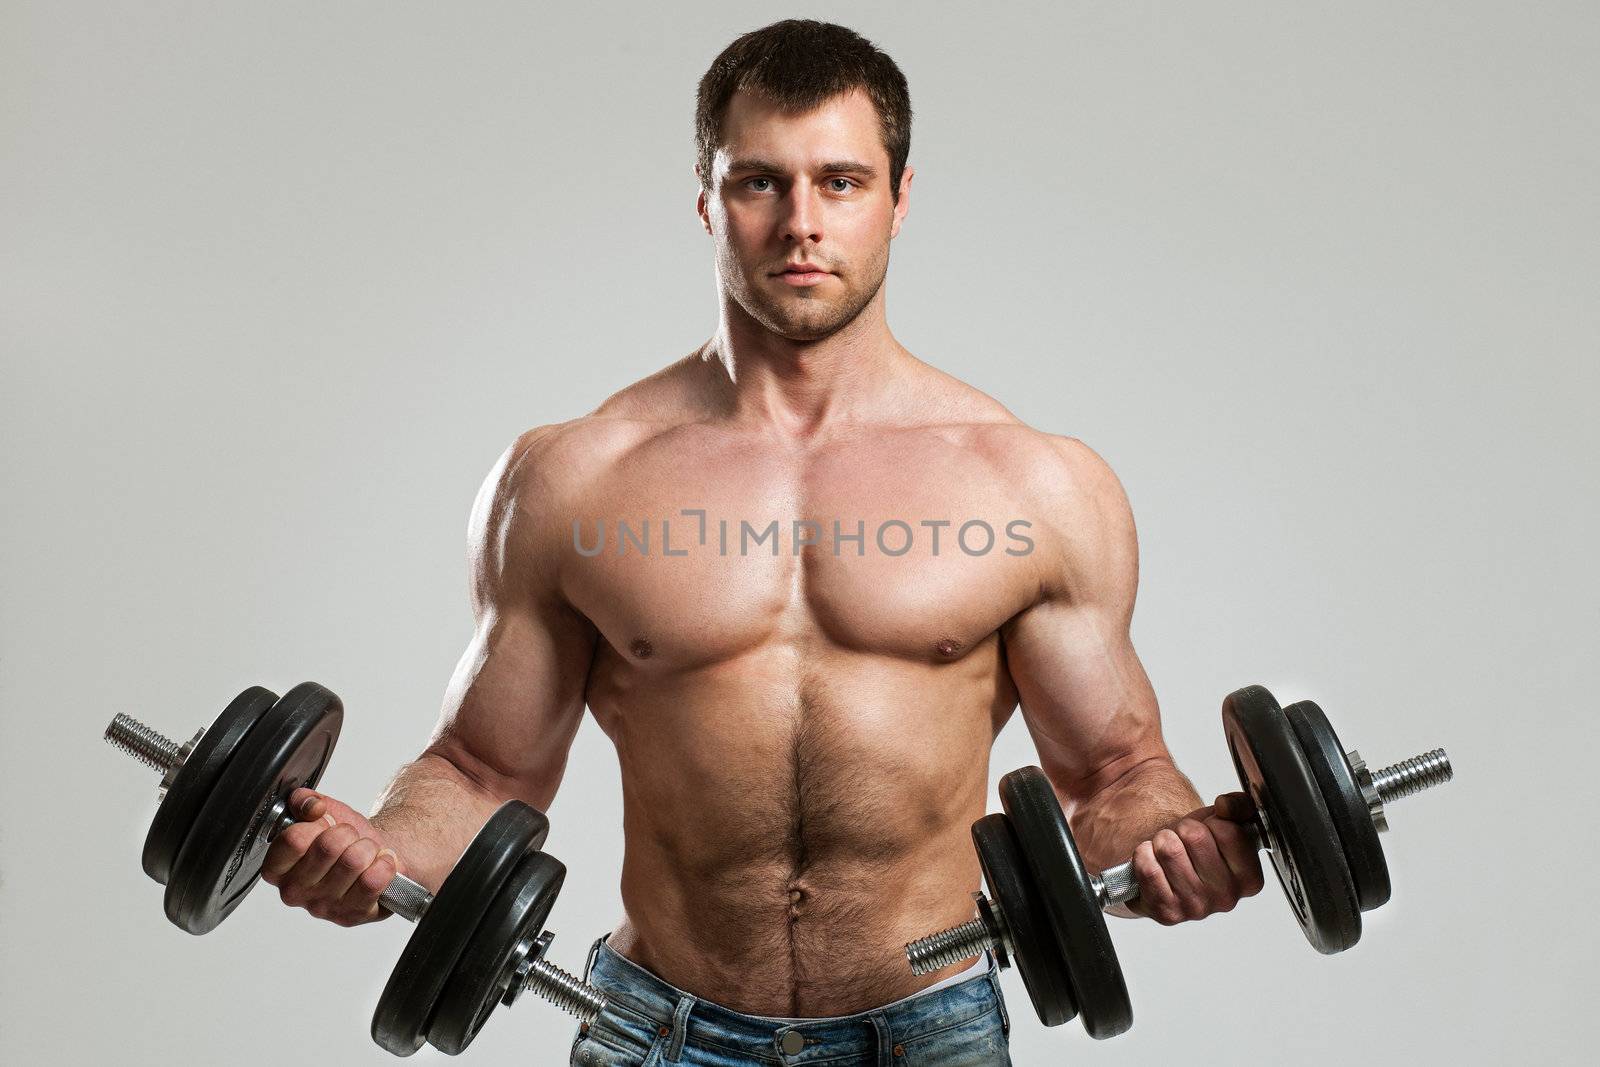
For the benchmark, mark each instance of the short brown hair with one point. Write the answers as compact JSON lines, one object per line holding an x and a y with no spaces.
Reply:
{"x":798,"y":64}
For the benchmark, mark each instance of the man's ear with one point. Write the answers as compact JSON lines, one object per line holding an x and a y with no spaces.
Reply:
{"x":700,"y":201}
{"x":904,"y":203}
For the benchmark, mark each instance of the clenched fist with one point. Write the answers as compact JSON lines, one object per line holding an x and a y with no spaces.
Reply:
{"x":1199,"y":866}
{"x":331,"y":862}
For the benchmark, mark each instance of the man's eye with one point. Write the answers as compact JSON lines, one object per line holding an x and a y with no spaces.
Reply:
{"x":844,"y":185}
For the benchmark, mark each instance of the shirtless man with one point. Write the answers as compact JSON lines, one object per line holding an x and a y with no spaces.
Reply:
{"x":803,"y":711}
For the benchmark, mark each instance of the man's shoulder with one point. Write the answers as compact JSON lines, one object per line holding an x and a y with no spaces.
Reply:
{"x":1076,"y":504}
{"x":986,"y":426}
{"x":553,"y":461}
{"x":580,"y":448}
{"x":1042,"y":466}
{"x":1066,"y":463}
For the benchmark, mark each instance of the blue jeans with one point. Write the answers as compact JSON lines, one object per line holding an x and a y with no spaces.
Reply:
{"x":648,"y":1023}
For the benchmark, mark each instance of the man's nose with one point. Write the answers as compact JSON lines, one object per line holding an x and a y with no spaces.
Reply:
{"x":802,"y":215}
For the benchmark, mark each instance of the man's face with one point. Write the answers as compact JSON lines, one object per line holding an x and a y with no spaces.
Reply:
{"x":811,"y":188}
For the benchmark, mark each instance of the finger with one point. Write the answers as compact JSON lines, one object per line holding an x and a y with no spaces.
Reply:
{"x":355,"y":859}
{"x":1173,"y":856}
{"x":1156,"y":898}
{"x":288,"y":848}
{"x":1235,"y":807}
{"x":340,"y":812}
{"x":1216,"y":877}
{"x":363,"y":896}
{"x":1240,"y":854}
{"x":304,"y":879}
{"x":307,"y":804}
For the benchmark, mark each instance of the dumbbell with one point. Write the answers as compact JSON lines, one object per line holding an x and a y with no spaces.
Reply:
{"x":1318,"y":812}
{"x":479,"y":941}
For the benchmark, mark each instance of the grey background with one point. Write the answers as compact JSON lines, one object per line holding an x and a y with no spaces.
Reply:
{"x":279,"y":282}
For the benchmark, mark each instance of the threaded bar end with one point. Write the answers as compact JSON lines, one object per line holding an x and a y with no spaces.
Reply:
{"x":1412,"y":775}
{"x":954,"y":945}
{"x":144,"y":744}
{"x":567,"y":992}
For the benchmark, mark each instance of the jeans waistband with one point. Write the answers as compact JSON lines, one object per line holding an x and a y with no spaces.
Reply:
{"x":630,"y":990}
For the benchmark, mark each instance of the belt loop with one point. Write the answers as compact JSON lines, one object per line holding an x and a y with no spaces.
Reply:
{"x":885,"y":1039}
{"x":993,"y":975}
{"x":680,"y":1028}
{"x":594,"y":950}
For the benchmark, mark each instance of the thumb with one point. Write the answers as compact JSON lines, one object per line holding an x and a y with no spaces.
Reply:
{"x":1235,"y":807}
{"x":310,"y":805}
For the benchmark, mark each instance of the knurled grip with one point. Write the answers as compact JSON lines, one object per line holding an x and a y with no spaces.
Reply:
{"x":405,"y":898}
{"x":1118,"y":885}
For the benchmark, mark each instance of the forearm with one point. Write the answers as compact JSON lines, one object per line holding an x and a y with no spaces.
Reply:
{"x":1110,"y":823}
{"x":429,"y":812}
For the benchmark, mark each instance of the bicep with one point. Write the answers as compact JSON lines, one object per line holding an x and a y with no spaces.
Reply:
{"x":516,"y":699}
{"x":1084,"y":694}
{"x":1085,"y":697}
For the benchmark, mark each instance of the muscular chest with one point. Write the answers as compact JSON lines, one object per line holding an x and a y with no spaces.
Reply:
{"x":696,"y":550}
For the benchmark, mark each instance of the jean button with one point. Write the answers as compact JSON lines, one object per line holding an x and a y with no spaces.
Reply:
{"x":792,"y":1044}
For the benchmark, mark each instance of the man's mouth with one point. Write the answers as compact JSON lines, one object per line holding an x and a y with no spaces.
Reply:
{"x":803,"y":274}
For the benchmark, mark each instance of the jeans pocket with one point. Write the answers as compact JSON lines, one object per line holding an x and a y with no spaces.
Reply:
{"x":591,"y":1049}
{"x":658,"y":1051}
{"x":980,"y":1041}
{"x":587,"y":1052}
{"x":591,"y":1052}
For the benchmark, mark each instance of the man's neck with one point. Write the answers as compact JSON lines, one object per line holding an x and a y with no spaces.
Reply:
{"x":800,"y":389}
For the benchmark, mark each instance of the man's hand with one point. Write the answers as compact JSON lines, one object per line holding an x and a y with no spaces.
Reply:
{"x":331,"y":862}
{"x":1201,"y":865}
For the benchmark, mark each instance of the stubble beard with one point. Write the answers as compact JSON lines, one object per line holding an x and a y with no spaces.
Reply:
{"x":801,"y":314}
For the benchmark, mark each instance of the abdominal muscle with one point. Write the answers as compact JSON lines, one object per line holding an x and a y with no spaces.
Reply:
{"x":791,"y":821}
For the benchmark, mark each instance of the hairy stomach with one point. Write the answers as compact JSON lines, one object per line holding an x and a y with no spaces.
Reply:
{"x":783,"y":843}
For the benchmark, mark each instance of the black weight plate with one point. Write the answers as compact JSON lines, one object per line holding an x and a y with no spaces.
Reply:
{"x":221,"y":858}
{"x":405,"y":1010}
{"x":1070,"y":901}
{"x":1306,"y":854}
{"x":197,"y":777}
{"x":1011,"y":887}
{"x":1363,"y":851}
{"x":481,"y":975}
